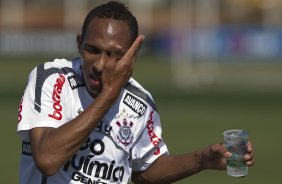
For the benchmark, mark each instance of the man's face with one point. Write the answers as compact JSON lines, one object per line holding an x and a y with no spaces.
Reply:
{"x":104,"y":37}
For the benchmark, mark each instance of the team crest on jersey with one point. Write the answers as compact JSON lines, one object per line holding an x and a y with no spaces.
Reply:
{"x":125,"y":135}
{"x":124,"y":124}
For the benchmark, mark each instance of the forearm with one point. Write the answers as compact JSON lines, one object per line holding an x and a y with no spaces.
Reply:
{"x":76,"y":131}
{"x":52,"y":147}
{"x":168,"y":169}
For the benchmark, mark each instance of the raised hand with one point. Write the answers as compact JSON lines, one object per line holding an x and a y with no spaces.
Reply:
{"x":117,"y":71}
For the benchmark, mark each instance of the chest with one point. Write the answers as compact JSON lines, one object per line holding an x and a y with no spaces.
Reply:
{"x":121,"y":126}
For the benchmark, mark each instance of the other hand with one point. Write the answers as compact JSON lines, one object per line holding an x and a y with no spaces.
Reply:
{"x":214,"y":156}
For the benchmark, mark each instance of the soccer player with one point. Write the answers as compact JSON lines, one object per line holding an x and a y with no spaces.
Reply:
{"x":88,"y":121}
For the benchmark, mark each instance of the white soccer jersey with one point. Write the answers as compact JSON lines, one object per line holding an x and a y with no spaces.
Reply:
{"x":127,"y":139}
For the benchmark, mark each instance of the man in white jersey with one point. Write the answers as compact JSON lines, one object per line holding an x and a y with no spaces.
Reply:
{"x":87,"y":121}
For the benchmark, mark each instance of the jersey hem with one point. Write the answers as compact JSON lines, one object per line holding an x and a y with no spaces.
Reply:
{"x":24,"y":128}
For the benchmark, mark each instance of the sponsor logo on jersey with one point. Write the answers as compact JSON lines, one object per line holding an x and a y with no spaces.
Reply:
{"x":88,"y":169}
{"x":155,"y":140}
{"x":26,"y":148}
{"x":56,"y":97}
{"x":135,"y":104}
{"x":74,"y":82}
{"x":20,"y":117}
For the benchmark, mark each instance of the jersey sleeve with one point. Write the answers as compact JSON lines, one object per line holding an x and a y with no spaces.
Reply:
{"x":150,"y":145}
{"x":42,"y":102}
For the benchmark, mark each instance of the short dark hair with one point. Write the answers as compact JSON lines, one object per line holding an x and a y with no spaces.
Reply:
{"x":114,"y":10}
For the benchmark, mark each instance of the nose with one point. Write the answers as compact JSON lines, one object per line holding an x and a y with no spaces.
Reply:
{"x":99,"y":65}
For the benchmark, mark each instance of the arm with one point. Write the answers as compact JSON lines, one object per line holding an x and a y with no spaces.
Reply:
{"x":53,"y":147}
{"x":168,"y":169}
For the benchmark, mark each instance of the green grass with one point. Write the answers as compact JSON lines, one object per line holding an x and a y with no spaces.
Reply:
{"x":191,"y":120}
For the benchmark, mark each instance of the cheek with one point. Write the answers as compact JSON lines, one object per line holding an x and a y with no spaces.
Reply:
{"x":85,"y":67}
{"x":89,"y":58}
{"x":84,"y":74}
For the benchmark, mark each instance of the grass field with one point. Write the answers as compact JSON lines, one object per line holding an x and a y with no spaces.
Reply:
{"x":191,"y":120}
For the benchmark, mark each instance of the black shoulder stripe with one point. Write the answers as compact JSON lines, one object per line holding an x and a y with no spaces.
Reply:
{"x":44,"y":179}
{"x":141,"y":95}
{"x":41,"y":76}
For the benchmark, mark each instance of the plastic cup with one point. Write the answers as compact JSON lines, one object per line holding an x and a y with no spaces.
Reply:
{"x":235,"y":142}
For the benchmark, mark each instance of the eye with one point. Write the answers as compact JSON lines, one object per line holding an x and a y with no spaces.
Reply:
{"x":92,"y":50}
{"x":119,"y":55}
{"x":108,"y":54}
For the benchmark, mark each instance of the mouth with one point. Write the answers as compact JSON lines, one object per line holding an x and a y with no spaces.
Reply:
{"x":95,"y":81}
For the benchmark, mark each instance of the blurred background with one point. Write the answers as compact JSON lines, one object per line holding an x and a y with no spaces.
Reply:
{"x":211,"y":65}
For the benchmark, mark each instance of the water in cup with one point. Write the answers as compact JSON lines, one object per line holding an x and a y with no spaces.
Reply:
{"x":235,"y":142}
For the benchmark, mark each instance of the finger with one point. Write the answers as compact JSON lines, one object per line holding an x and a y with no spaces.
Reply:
{"x":112,"y":60}
{"x":248,"y":157}
{"x":250,"y":152}
{"x":249,"y":146}
{"x":250,"y":163}
{"x":227,"y":154}
{"x":220,"y":149}
{"x":132,"y":51}
{"x":131,"y":67}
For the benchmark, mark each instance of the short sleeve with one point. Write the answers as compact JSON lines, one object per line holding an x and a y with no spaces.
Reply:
{"x":150,"y":145}
{"x":41,"y":104}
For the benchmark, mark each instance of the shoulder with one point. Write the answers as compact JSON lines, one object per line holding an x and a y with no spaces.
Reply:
{"x":56,"y":66}
{"x":54,"y":69}
{"x":46,"y":76}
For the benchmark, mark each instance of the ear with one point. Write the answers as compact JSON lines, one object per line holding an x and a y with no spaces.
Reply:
{"x":79,"y":41}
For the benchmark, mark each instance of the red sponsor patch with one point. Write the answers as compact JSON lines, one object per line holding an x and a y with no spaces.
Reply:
{"x":56,"y":97}
{"x":20,"y":117}
{"x":155,"y":140}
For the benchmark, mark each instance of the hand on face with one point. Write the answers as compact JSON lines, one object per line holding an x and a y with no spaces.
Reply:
{"x":108,"y":55}
{"x":116,"y":72}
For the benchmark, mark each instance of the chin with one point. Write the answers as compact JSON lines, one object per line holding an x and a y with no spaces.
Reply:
{"x":93,"y":93}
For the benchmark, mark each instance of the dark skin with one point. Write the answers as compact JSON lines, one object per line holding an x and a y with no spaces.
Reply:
{"x":105,"y":73}
{"x":108,"y":60}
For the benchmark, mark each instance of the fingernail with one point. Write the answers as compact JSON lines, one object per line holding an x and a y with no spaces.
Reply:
{"x":228,"y":154}
{"x":247,"y":157}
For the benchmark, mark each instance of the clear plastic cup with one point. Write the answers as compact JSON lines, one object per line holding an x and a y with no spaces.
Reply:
{"x":235,"y":142}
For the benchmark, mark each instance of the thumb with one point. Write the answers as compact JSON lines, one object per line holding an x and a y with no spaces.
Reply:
{"x":219,"y":149}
